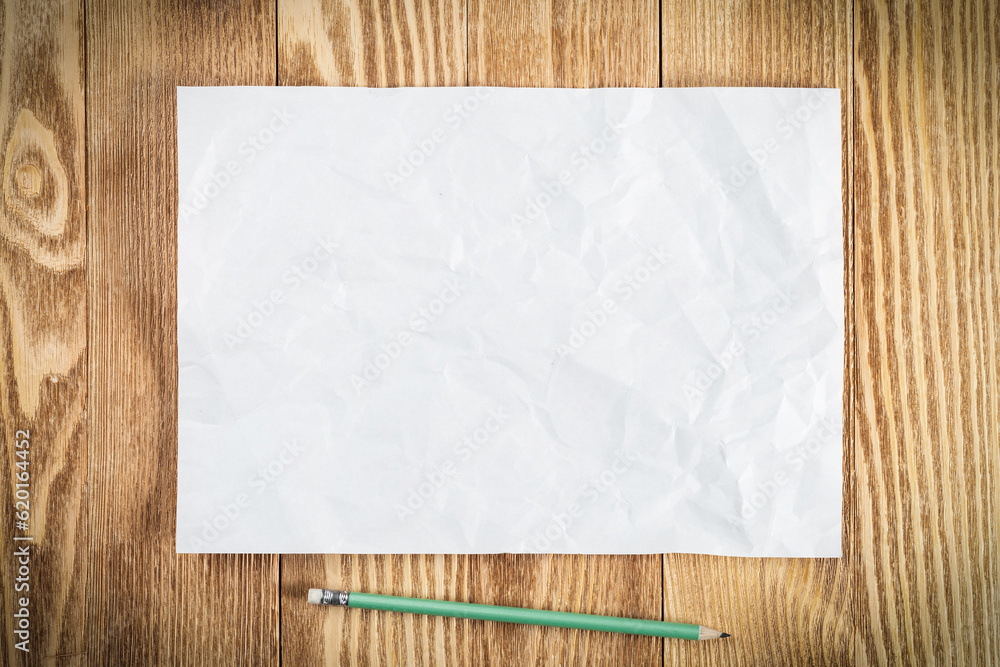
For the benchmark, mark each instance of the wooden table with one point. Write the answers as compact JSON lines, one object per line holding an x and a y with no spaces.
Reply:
{"x":89,"y":366}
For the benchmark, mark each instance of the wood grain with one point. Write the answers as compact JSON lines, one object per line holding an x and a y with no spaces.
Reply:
{"x":927,"y":207}
{"x":574,"y":43}
{"x":333,"y":43}
{"x":309,"y":38}
{"x":88,"y":357}
{"x":367,"y":43}
{"x":780,"y":611}
{"x":146,"y":604}
{"x":43,"y":326}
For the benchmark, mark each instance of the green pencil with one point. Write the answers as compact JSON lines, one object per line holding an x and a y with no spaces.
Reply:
{"x":488,"y":612}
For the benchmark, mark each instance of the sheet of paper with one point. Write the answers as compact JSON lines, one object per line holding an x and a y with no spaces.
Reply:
{"x":458,"y":320}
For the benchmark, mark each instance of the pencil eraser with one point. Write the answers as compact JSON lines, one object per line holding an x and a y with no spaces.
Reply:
{"x":315,"y":596}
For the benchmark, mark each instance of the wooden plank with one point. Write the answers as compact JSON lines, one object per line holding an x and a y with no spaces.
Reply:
{"x":569,"y":43}
{"x":333,"y":43}
{"x":43,"y":329}
{"x":572,"y":44}
{"x":323,"y":44}
{"x":365,"y":43}
{"x":780,"y":611}
{"x":927,"y":143}
{"x":146,"y":604}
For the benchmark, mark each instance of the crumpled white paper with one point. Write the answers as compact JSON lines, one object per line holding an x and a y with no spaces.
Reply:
{"x":456,"y":320}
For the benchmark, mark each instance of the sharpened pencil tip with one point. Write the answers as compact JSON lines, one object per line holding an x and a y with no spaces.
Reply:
{"x":709,"y":633}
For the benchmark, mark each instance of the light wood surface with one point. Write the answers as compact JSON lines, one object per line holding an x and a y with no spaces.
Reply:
{"x":43,"y":322}
{"x":927,"y":413}
{"x":87,"y":333}
{"x":146,"y":604}
{"x":806,"y":44}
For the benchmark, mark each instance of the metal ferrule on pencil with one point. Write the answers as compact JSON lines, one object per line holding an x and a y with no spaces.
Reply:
{"x":326,"y":596}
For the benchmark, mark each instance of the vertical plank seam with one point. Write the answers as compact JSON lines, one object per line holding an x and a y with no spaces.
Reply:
{"x":92,"y":405}
{"x":465,"y":11}
{"x":659,"y":52}
{"x":277,"y":82}
{"x":86,"y":318}
{"x":855,"y":555}
{"x":990,"y":234}
{"x":663,"y":557}
{"x":280,"y":620}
